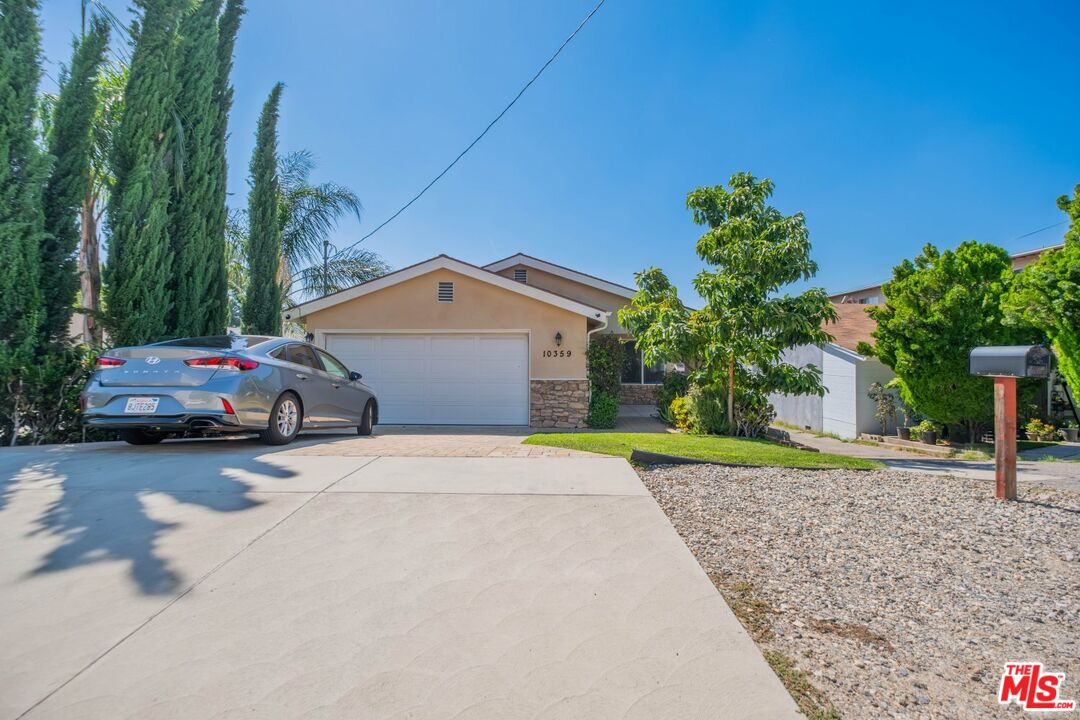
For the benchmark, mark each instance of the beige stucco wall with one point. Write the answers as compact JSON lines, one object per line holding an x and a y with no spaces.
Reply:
{"x":477,"y":306}
{"x":591,"y":296}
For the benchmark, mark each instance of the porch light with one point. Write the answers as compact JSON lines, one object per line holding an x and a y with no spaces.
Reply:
{"x":558,"y":339}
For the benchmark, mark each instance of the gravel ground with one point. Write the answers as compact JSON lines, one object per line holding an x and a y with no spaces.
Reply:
{"x":897,"y":594}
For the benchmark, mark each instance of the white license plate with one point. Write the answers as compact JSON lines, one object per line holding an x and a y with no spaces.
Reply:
{"x":141,"y":405}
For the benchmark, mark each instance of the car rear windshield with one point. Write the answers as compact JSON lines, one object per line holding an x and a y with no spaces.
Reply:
{"x":218,"y":342}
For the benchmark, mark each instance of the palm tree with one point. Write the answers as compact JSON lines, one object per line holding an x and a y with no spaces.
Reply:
{"x":308,"y":213}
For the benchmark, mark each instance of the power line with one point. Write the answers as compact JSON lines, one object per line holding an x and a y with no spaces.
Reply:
{"x":1036,"y":232}
{"x":479,"y":137}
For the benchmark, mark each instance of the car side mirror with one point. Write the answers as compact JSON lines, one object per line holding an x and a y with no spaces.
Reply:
{"x":355,"y":375}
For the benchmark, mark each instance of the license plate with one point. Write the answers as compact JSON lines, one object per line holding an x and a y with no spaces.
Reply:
{"x":141,"y":405}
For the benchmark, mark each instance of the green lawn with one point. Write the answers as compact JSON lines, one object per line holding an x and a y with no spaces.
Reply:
{"x":700,"y":447}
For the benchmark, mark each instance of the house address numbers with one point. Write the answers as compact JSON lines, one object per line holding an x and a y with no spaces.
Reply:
{"x":556,"y":353}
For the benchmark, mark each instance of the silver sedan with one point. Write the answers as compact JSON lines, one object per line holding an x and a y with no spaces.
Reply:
{"x":225,"y":384}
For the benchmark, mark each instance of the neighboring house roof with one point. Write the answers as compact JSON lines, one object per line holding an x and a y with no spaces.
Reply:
{"x":583,"y":278}
{"x":444,"y":262}
{"x":853,"y":325}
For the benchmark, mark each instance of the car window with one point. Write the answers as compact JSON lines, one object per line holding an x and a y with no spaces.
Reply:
{"x":279,"y":353}
{"x":332,"y":366}
{"x":302,"y":355}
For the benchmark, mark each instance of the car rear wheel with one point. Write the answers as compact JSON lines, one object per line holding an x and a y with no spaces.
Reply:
{"x":141,"y":437}
{"x":285,"y":420}
{"x":364,"y":428}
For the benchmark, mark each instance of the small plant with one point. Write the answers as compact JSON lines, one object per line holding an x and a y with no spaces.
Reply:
{"x":926,"y":426}
{"x":1037,"y":429}
{"x":675,"y":385}
{"x":679,"y":411}
{"x":884,"y":405}
{"x":1070,"y":424}
{"x":603,"y":410}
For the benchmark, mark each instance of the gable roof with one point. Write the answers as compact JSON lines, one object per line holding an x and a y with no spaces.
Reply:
{"x":852,"y":325}
{"x":583,"y":278}
{"x":444,"y":262}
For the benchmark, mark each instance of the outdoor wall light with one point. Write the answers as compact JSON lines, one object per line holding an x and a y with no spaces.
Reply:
{"x":558,"y":339}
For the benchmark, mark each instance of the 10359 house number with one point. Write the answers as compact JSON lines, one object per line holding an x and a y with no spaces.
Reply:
{"x":556,"y":353}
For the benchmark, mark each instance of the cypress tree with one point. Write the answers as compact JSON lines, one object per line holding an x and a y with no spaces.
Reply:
{"x":217,"y":308}
{"x":23,"y":173}
{"x":137,"y":287}
{"x":196,"y":311}
{"x":69,"y":143}
{"x":262,"y":303}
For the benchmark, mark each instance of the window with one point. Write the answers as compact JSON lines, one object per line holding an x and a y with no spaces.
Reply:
{"x":446,"y":292}
{"x":332,"y":366}
{"x":279,"y":353}
{"x":303,"y":355}
{"x":636,"y":372}
{"x":521,"y":275}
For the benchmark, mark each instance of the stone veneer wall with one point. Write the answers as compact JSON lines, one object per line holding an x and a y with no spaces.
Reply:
{"x":558,"y":403}
{"x":634,"y":394}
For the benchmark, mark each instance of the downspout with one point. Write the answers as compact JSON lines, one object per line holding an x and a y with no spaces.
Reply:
{"x":588,"y":340}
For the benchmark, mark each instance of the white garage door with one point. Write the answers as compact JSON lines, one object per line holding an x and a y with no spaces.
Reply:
{"x":442,"y":379}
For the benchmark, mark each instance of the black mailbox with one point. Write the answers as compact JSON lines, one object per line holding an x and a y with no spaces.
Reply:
{"x":1010,"y":361}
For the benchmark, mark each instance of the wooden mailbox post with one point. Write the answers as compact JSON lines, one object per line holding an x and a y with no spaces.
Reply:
{"x":1005,"y":364}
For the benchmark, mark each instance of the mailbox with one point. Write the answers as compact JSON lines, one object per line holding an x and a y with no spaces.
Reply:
{"x":1010,"y":361}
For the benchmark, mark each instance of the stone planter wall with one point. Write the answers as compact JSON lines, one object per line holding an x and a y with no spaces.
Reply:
{"x":558,"y":403}
{"x":633,"y":394}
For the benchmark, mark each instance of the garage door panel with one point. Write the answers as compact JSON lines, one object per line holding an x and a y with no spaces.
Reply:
{"x":449,"y":345}
{"x":442,"y":379}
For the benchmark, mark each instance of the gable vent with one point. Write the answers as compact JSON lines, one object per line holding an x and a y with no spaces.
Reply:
{"x":446,"y":292}
{"x":521,"y":275}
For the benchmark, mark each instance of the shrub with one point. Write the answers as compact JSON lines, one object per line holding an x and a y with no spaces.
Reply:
{"x":708,"y":412}
{"x":674,"y":385}
{"x":1036,"y":426}
{"x":604,"y":360}
{"x":603,"y":410}
{"x":926,"y":426}
{"x":679,"y":413}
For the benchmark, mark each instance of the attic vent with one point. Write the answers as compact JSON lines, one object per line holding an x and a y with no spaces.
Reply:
{"x":521,"y":275}
{"x":446,"y":292}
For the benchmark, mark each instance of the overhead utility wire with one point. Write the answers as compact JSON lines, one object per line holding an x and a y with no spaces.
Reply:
{"x":479,"y":137}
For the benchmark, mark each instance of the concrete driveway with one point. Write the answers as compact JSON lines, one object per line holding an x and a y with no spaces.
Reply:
{"x":222,"y":580}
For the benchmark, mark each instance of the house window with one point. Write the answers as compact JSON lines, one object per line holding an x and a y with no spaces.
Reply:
{"x":521,"y":275}
{"x":446,"y":292}
{"x":636,"y":372}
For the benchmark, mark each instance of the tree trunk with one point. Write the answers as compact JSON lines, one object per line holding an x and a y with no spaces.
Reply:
{"x":731,"y":395}
{"x":90,"y":271}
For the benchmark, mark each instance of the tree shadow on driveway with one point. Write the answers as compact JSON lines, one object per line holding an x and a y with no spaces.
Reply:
{"x":103,"y":518}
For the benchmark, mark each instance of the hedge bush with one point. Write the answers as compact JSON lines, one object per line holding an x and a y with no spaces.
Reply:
{"x":603,"y":410}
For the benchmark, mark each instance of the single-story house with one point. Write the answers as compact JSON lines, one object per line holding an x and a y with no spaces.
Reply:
{"x":846,"y":409}
{"x":447,"y":342}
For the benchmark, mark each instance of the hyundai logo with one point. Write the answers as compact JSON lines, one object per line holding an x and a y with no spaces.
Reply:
{"x":152,"y":360}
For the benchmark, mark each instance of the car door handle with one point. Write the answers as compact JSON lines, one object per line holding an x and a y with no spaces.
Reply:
{"x":302,"y":376}
{"x":337,"y":385}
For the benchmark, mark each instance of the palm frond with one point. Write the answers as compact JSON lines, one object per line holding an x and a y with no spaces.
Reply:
{"x":351,"y":268}
{"x":309,"y":214}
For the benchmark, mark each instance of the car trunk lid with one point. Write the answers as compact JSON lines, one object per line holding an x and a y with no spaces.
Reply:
{"x":157,"y":367}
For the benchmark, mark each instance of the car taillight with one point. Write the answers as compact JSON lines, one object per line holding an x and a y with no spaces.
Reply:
{"x":228,"y":407}
{"x":109,"y":362}
{"x":222,"y":363}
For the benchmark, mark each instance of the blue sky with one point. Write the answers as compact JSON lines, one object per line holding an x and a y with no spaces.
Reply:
{"x":889,"y":125}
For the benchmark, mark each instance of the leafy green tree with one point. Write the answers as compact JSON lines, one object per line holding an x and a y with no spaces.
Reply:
{"x":937,"y":308}
{"x":1047,"y":295}
{"x":200,"y":300}
{"x":70,"y":142}
{"x":23,"y":172}
{"x":738,"y":338}
{"x":262,"y":303}
{"x":140,"y":265}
